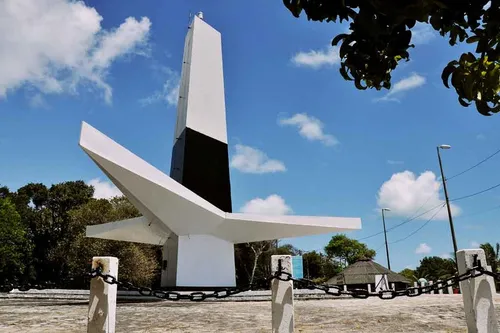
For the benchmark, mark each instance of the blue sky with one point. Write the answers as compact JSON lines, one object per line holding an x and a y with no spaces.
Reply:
{"x":301,"y":138}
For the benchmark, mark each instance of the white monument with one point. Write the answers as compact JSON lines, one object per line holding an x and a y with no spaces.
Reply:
{"x":190,"y":212}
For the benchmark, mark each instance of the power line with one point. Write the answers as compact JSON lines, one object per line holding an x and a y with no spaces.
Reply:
{"x":474,"y":166}
{"x":378,"y":248}
{"x":476,"y":193}
{"x":420,"y":228}
{"x":402,"y":223}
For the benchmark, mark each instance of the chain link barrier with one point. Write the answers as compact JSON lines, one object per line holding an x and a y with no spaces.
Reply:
{"x":199,"y":296}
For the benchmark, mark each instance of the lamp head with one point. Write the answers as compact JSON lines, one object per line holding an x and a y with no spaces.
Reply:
{"x":445,"y":146}
{"x":386,"y":209}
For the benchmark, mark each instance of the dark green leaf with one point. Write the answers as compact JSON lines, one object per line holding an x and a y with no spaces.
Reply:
{"x":447,"y":71}
{"x":462,"y":102}
{"x":338,"y":38}
{"x":344,"y":73}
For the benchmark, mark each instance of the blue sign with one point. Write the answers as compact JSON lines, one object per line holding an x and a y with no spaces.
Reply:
{"x":298,"y":270}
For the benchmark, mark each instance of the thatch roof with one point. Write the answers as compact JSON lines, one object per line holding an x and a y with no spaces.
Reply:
{"x":363,"y":272}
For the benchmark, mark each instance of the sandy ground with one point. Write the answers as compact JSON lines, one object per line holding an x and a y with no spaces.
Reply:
{"x":428,"y":313}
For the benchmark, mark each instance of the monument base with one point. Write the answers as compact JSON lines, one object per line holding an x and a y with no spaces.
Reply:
{"x":201,"y":261}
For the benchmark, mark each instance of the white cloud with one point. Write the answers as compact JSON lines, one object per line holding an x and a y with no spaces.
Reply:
{"x":272,"y":205}
{"x":393,"y":162}
{"x":37,"y":101}
{"x":407,"y":195}
{"x":481,"y":137}
{"x":252,"y":160}
{"x":57,"y":45}
{"x":423,"y":248}
{"x":446,"y":256}
{"x":475,"y":245}
{"x":411,"y":82}
{"x":317,"y":59}
{"x":104,"y":189}
{"x":310,"y":128}
{"x":169,"y":92}
{"x":422,"y":33}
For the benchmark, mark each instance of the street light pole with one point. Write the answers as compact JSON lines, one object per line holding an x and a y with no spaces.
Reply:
{"x":455,"y":249}
{"x":385,"y":235}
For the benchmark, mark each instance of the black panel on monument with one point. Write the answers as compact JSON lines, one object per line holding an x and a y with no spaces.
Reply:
{"x":201,"y":164}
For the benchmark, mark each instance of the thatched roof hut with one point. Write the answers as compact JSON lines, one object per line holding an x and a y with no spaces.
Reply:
{"x":362,"y":273}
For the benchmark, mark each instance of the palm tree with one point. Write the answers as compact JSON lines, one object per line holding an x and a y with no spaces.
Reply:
{"x":492,"y":257}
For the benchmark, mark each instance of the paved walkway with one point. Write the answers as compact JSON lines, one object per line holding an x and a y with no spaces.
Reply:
{"x":427,"y":313}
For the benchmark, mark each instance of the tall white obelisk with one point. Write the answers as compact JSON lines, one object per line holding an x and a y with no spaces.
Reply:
{"x":200,"y":158}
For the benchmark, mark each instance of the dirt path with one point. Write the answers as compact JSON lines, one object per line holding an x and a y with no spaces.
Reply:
{"x":428,"y":313}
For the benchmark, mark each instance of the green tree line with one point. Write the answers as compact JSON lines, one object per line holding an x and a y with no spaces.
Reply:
{"x":42,"y":238}
{"x":437,"y":268}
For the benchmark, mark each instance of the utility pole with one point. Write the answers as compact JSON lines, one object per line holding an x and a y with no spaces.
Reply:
{"x":385,"y":235}
{"x":450,"y":218}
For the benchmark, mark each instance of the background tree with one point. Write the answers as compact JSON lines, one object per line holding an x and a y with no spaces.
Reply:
{"x":258,"y":248}
{"x":435,"y":268}
{"x":347,"y":251}
{"x":52,"y":222}
{"x":12,"y":241}
{"x":492,"y":255}
{"x":138,"y":263}
{"x":492,"y":258}
{"x":380,"y":37}
{"x":319,"y":267}
{"x":409,"y":274}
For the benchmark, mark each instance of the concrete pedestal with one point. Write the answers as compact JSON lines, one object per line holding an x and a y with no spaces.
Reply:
{"x":198,"y":261}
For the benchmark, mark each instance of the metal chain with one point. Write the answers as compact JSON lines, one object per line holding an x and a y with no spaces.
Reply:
{"x":199,"y":296}
{"x":387,"y":294}
{"x":8,"y":287}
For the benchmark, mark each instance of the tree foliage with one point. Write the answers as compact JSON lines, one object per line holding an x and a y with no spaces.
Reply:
{"x":347,"y":251}
{"x":492,"y":255}
{"x":380,"y":38}
{"x":45,"y":235}
{"x":12,"y":241}
{"x":319,"y":267}
{"x":435,"y":268}
{"x":409,"y":274}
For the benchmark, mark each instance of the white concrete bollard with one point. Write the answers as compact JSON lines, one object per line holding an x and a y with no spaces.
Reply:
{"x":282,"y":297}
{"x":450,"y":290}
{"x":345,"y":287}
{"x":102,"y":301}
{"x":430,"y":284}
{"x":393,"y":286}
{"x":415,"y":284}
{"x":369,"y":288}
{"x":440,"y":291}
{"x":476,"y":294}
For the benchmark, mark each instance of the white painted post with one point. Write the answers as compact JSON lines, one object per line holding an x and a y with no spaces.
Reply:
{"x":282,"y":297}
{"x":440,"y":291}
{"x":393,"y":286}
{"x":415,"y":284}
{"x":450,"y":290}
{"x":369,"y":288}
{"x":102,"y":301}
{"x":476,"y":294}
{"x":430,"y":284}
{"x":345,"y":287}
